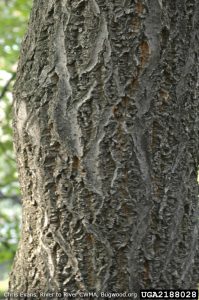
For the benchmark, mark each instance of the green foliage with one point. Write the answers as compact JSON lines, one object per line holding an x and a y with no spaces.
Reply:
{"x":13,"y":23}
{"x":9,"y":229}
{"x":3,"y":287}
{"x":8,"y":174}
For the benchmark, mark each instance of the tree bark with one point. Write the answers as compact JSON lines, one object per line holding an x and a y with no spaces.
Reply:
{"x":106,"y":137}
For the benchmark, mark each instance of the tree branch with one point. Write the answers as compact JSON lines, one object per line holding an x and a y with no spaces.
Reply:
{"x":5,"y":88}
{"x":14,"y":198}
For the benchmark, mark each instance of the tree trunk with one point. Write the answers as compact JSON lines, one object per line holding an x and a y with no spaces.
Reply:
{"x":106,"y":137}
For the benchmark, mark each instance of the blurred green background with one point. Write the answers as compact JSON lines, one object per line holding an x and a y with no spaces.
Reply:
{"x":13,"y":23}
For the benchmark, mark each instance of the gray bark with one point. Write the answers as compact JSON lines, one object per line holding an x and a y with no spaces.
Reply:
{"x":106,"y":137}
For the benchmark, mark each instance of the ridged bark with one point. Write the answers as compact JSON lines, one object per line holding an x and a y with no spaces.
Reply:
{"x":106,"y":137}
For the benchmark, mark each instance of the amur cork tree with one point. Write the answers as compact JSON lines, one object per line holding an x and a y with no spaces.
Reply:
{"x":106,"y":106}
